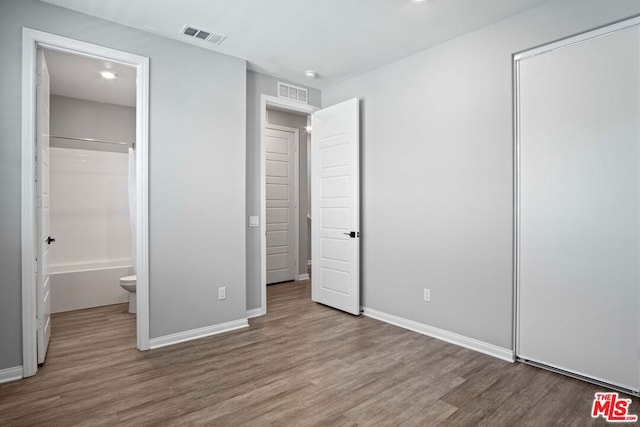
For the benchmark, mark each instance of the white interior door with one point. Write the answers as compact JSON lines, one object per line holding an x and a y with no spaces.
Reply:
{"x":43,"y":292}
{"x":579,"y":228}
{"x":280,"y":154}
{"x":335,"y":206}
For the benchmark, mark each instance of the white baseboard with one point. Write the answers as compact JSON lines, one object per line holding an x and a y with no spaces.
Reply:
{"x":302,"y":277}
{"x":441,"y":334}
{"x":10,"y":374}
{"x":254,"y":312}
{"x":194,"y":334}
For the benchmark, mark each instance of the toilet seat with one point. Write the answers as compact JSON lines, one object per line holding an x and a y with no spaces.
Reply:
{"x":128,"y":283}
{"x":128,"y":279}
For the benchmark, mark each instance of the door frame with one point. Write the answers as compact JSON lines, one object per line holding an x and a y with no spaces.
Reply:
{"x":287,"y":105}
{"x":31,"y":41}
{"x":296,"y":199}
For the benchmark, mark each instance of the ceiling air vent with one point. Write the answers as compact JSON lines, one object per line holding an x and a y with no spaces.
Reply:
{"x":292,"y":92}
{"x":214,"y":38}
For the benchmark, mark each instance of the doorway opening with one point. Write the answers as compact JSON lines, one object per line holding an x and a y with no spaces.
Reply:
{"x":285,"y":235}
{"x":84,"y":195}
{"x":287,"y":201}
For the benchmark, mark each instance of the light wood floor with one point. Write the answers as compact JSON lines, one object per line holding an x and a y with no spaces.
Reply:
{"x":302,"y":364}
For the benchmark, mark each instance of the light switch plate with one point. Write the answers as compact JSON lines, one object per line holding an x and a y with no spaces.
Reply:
{"x":254,"y":221}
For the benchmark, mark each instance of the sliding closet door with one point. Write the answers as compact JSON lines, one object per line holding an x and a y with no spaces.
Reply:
{"x":579,"y":208}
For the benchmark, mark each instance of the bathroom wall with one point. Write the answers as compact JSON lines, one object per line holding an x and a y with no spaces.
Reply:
{"x":297,"y":121}
{"x":78,"y":118}
{"x":89,"y":209}
{"x":89,"y":203}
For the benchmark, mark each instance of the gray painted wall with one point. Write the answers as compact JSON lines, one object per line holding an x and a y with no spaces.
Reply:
{"x":257,"y":85}
{"x":437,"y":171}
{"x":197,"y":172}
{"x":80,"y":118}
{"x":297,"y":121}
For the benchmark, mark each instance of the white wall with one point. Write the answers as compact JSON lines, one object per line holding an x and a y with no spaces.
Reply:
{"x":437,"y":188}
{"x":89,"y":208}
{"x":197,"y":167}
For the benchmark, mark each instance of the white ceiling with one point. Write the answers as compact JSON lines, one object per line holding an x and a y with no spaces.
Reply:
{"x":79,"y":77}
{"x":336,"y":38}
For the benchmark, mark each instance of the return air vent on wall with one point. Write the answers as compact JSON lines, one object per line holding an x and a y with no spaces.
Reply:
{"x":214,"y":38}
{"x":292,"y":92}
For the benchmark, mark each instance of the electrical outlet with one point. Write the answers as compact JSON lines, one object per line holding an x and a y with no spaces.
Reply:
{"x":427,"y":295}
{"x":222,"y":293}
{"x":254,"y":221}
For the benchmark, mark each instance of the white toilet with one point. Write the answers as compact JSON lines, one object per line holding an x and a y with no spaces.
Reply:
{"x":128,"y":283}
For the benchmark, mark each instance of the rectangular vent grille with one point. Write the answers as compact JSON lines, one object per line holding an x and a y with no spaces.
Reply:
{"x":292,"y":92}
{"x":214,"y":38}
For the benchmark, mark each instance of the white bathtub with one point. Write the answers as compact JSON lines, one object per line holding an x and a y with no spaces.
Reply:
{"x":91,"y":284}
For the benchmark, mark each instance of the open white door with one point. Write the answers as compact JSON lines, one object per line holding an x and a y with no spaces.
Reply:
{"x":43,"y":294}
{"x":335,"y":206}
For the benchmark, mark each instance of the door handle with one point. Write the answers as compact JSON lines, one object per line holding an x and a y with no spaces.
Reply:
{"x":50,"y":240}
{"x":352,"y":234}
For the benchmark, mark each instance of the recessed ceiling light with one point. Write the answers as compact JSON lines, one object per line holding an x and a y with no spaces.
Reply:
{"x":311,"y":74}
{"x":108,"y":75}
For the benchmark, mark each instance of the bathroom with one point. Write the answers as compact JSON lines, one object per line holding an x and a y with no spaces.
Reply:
{"x":92,"y":119}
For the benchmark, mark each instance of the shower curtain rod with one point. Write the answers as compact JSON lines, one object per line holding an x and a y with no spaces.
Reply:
{"x":133,"y":145}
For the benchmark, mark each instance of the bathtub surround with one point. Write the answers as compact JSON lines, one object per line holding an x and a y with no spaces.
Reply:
{"x":90,"y":287}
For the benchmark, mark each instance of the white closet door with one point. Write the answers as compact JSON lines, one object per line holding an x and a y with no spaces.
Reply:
{"x":280,"y":155}
{"x":579,"y":231}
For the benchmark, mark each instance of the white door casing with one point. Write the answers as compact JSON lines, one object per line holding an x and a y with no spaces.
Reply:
{"x":281,"y":150}
{"x":31,"y":41}
{"x":43,"y":283}
{"x":335,"y":206}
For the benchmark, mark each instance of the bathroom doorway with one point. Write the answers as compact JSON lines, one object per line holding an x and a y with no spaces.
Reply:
{"x":85,"y":218}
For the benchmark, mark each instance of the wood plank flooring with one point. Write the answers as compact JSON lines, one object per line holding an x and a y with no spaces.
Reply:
{"x":302,"y":364}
